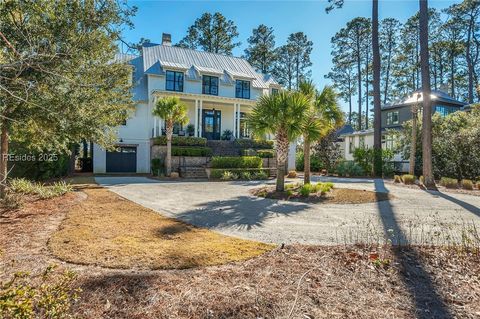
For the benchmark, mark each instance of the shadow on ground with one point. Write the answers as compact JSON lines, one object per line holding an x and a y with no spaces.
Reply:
{"x":242,"y":212}
{"x":428,"y":303}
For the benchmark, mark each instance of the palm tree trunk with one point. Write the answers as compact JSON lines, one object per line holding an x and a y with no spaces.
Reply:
{"x":427,"y":106}
{"x":377,"y":117}
{"x":413,"y":144}
{"x":3,"y":158}
{"x":306,"y":161}
{"x":168,"y":160}
{"x":282,"y":153}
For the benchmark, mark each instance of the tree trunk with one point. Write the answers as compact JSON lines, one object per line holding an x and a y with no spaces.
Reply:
{"x":413,"y":144}
{"x":359,"y":79}
{"x":387,"y":76}
{"x":377,"y":123}
{"x":427,"y":106}
{"x":282,"y":153}
{"x":366,"y":91}
{"x":306,"y":161}
{"x":469,"y":61}
{"x":168,"y":159}
{"x":452,"y":74}
{"x":3,"y":158}
{"x":71,"y":160}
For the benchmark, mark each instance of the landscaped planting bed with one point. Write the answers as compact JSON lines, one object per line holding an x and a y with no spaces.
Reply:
{"x":181,"y":141}
{"x":321,"y":192}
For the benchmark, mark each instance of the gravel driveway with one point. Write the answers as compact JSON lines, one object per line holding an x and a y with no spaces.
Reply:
{"x":227,"y":207}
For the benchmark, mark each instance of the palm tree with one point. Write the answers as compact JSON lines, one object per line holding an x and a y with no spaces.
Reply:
{"x":282,"y":115}
{"x":172,"y":110}
{"x":427,"y":106}
{"x":323,"y":115}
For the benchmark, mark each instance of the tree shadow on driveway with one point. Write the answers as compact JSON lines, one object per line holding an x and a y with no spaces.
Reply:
{"x":471,"y":208}
{"x":242,"y":212}
{"x":427,"y":300}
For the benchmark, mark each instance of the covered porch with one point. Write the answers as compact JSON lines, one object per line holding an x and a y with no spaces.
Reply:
{"x":209,"y":116}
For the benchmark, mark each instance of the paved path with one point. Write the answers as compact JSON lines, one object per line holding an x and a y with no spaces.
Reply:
{"x":227,"y":207}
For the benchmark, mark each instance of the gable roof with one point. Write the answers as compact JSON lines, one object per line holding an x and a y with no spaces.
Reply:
{"x":159,"y":57}
{"x":436,"y":96}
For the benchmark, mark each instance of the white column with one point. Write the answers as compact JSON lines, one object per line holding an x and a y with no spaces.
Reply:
{"x":238,"y":121}
{"x":234,"y":120}
{"x":200,"y":119}
{"x":196,"y":118}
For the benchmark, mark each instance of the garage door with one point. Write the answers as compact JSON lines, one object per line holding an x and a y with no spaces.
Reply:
{"x":122,"y":160}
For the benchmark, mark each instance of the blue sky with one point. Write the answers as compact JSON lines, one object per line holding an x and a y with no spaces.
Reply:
{"x":155,"y":17}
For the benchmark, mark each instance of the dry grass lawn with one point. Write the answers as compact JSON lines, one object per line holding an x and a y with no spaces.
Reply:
{"x":109,"y":231}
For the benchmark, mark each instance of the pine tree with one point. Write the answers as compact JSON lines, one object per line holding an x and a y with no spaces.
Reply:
{"x":261,"y":50}
{"x":211,"y":33}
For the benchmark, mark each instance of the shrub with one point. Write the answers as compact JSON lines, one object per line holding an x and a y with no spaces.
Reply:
{"x":292,"y":174}
{"x":246,"y":175}
{"x":316,"y":164}
{"x":467,"y":184}
{"x":306,"y":189}
{"x":191,"y":129}
{"x":23,"y":186}
{"x":422,"y":180}
{"x":449,"y":182}
{"x":237,"y":162}
{"x":265,"y":153}
{"x":45,"y":166}
{"x":227,"y":175}
{"x":249,"y":152}
{"x":260,"y":175}
{"x":408,"y":179}
{"x":257,"y":173}
{"x":192,"y":151}
{"x":397,"y":179}
{"x":12,"y":200}
{"x":256,"y":144}
{"x":349,"y":168}
{"x":181,"y":141}
{"x":157,"y":166}
{"x":49,"y":295}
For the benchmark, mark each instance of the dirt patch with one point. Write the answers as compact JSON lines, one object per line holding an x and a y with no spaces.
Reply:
{"x":109,"y":231}
{"x":335,"y":196}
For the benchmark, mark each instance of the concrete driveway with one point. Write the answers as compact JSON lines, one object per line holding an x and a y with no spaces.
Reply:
{"x":227,"y":207}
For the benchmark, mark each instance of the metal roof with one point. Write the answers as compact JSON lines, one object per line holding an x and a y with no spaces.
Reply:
{"x":235,"y":67}
{"x":417,"y":97}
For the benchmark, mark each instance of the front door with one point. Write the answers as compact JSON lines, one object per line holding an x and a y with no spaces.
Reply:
{"x":211,"y":124}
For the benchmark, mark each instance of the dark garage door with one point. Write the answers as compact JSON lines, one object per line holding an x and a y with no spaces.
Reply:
{"x":122,"y":160}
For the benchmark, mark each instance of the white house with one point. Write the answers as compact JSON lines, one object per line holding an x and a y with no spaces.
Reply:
{"x":218,"y":89}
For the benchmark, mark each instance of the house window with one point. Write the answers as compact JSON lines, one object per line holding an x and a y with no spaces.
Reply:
{"x":351,"y":144}
{"x":362,"y":142}
{"x":274,"y":91}
{"x":174,"y":81}
{"x":242,"y":89}
{"x":210,"y":85}
{"x":444,"y":110}
{"x":244,"y":129}
{"x":388,"y":141}
{"x":392,"y":118}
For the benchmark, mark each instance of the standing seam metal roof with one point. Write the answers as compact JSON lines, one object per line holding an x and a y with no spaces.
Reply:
{"x":206,"y":60}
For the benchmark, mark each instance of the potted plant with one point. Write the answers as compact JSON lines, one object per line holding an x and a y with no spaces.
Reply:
{"x":191,"y":130}
{"x":227,"y":135}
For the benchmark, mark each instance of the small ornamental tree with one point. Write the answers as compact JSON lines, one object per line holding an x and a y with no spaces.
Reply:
{"x":172,"y":110}
{"x":282,"y":115}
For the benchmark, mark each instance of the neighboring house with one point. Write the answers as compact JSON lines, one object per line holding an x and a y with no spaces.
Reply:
{"x":219,"y":91}
{"x":393,"y":117}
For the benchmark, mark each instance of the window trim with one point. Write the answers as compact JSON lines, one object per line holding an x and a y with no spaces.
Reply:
{"x":243,"y":93}
{"x":210,"y":78}
{"x":390,"y":116}
{"x":176,"y":83}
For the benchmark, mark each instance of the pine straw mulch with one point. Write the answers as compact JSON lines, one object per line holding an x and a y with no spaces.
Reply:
{"x":304,"y":281}
{"x":334,"y":196}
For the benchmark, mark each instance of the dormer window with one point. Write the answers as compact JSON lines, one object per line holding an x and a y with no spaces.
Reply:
{"x":174,"y":81}
{"x":242,"y":89}
{"x":210,"y":85}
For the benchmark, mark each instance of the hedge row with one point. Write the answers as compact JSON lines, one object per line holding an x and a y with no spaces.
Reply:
{"x":181,"y":141}
{"x":260,"y":153}
{"x":255,"y":173}
{"x":192,"y":151}
{"x":256,"y":144}
{"x":236,"y":162}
